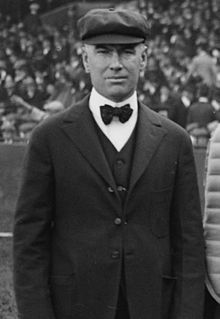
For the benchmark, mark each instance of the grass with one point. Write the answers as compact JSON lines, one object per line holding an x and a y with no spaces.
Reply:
{"x":11,"y":157}
{"x":7,"y":300}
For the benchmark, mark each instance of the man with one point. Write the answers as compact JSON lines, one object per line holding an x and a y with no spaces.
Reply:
{"x":170,"y":105}
{"x":201,"y":117}
{"x":203,"y":67}
{"x":108,"y":222}
{"x":32,"y":22}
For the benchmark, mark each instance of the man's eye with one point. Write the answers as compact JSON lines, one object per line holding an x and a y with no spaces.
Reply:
{"x":102,"y":51}
{"x":129,"y":51}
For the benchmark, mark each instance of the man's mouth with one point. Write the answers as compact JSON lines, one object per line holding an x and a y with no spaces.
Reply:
{"x":116,"y":79}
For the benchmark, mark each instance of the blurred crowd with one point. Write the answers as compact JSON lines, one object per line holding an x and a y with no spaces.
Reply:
{"x":41,"y":72}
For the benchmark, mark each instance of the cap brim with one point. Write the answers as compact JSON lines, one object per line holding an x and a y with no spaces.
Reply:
{"x":113,"y":39}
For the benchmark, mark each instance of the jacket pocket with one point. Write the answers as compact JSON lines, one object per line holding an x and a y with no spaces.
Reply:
{"x":160,"y":212}
{"x":62,"y":294}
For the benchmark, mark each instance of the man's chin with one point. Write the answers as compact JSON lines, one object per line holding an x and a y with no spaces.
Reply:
{"x":118,"y":95}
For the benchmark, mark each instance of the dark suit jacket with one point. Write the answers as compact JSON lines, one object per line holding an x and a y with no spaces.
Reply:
{"x":68,"y":245}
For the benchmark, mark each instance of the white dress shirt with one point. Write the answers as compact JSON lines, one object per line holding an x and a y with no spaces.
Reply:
{"x":118,"y":133}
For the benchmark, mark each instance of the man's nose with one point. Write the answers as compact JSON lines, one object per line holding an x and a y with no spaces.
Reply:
{"x":115,"y":61}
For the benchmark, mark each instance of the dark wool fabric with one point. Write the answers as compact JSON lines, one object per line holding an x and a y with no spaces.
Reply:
{"x":120,"y":164}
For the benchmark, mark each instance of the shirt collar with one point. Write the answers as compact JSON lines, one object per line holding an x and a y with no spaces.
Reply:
{"x":97,"y":100}
{"x":203,"y":99}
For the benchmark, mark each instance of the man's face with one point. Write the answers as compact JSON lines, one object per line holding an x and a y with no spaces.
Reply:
{"x":114,"y":69}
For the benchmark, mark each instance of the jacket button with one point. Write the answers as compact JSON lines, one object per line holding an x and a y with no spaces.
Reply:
{"x":115,"y":254}
{"x":119,"y":162}
{"x":110,"y":189}
{"x":121,"y":189}
{"x":117,"y":221}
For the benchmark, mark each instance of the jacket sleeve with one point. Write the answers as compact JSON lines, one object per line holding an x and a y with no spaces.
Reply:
{"x":32,"y":227}
{"x":187,"y":239}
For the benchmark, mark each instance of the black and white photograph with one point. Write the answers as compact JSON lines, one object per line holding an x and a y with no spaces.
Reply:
{"x":110,"y":159}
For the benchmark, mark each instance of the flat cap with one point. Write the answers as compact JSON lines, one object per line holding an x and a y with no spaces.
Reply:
{"x":111,"y":26}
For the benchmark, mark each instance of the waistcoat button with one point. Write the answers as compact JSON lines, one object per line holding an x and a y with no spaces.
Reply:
{"x":110,"y":189}
{"x":121,"y":188}
{"x":115,"y":254}
{"x":117,"y":221}
{"x":119,"y":162}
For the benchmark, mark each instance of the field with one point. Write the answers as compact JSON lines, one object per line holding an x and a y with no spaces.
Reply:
{"x":11,"y":157}
{"x":7,"y":301}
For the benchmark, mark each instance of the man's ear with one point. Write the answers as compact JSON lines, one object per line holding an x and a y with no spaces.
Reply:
{"x":85,"y":60}
{"x":143,"y":62}
{"x":143,"y":56}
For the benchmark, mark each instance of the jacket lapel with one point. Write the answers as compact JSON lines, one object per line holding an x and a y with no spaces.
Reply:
{"x":78,"y":124}
{"x":149,"y":135}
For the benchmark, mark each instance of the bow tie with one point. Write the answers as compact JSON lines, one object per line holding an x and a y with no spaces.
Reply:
{"x":123,"y":113}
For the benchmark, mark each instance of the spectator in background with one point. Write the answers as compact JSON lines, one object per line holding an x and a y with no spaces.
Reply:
{"x":21,"y":71}
{"x":150,"y":81}
{"x":171,"y":106}
{"x":187,"y":96}
{"x":154,"y":73}
{"x":3,"y":71}
{"x":61,"y":46}
{"x":30,"y":115}
{"x":201,"y":115}
{"x":32,"y":22}
{"x":47,"y":51}
{"x":30,"y":93}
{"x":3,"y":75}
{"x":9,"y":89}
{"x":216,"y":102}
{"x":178,"y":28}
{"x":9,"y":112}
{"x":8,"y":130}
{"x":203,"y":67}
{"x":63,"y":88}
